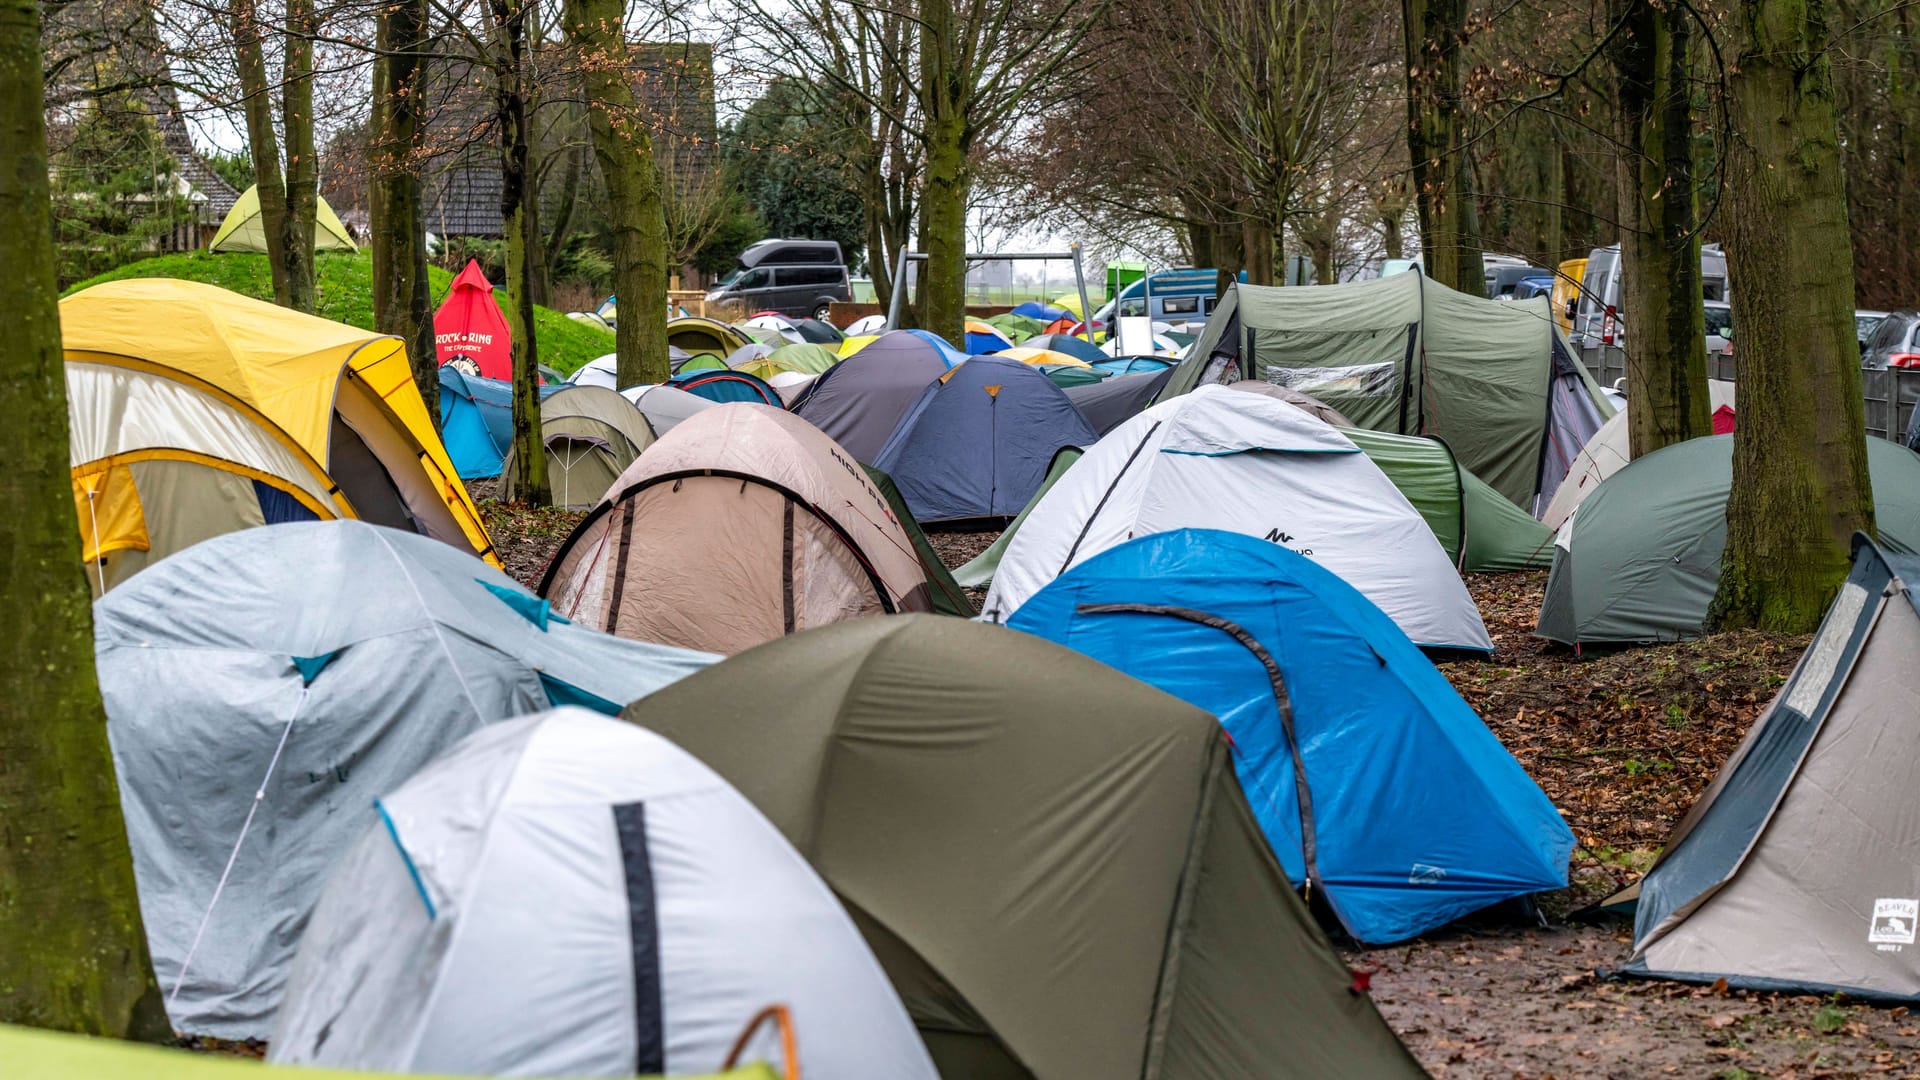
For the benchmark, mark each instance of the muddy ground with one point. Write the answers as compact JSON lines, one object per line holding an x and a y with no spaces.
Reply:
{"x":1622,"y":742}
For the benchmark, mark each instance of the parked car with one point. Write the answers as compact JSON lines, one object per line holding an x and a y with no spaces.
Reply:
{"x":1170,"y":296}
{"x":800,"y":278}
{"x":1719,"y":328}
{"x":1893,"y":344}
{"x":1599,"y":317}
{"x":1864,"y":324}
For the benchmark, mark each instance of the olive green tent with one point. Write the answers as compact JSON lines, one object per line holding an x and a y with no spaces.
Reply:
{"x":591,"y":434}
{"x":30,"y":1054}
{"x":245,"y":230}
{"x":1053,"y":861}
{"x":948,"y":597}
{"x":1481,"y":532}
{"x":1018,"y":328}
{"x":1407,"y":355}
{"x":1639,"y":560}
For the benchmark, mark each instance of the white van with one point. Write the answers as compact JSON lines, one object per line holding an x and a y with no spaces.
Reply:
{"x":1598,"y":318}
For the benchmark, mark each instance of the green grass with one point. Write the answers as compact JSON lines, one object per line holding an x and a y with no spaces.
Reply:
{"x":345,"y":288}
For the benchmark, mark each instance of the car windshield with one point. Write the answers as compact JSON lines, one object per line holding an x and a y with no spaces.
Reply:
{"x":731,"y":276}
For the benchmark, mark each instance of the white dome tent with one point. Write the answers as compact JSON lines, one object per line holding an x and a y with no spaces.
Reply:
{"x":570,"y":895}
{"x":1220,"y":459}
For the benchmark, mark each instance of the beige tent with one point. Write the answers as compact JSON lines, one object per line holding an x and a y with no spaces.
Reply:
{"x":245,"y":230}
{"x":592,"y":434}
{"x":742,"y":524}
{"x":1306,"y":402}
{"x":1607,"y":453}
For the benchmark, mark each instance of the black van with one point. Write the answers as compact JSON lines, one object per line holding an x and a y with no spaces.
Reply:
{"x":793,"y":277}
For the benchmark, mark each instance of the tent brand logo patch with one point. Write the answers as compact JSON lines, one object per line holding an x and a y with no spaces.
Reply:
{"x":1276,"y":536}
{"x":1893,"y":922}
{"x":1427,"y":875}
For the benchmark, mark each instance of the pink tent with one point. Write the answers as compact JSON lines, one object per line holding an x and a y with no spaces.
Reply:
{"x":470,"y":325}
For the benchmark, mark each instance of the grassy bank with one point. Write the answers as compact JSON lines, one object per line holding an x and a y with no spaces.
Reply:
{"x":345,"y":288}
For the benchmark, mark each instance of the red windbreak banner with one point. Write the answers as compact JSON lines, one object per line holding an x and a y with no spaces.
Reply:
{"x":470,"y":326}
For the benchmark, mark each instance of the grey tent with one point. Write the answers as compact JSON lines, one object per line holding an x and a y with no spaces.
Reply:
{"x":1054,"y":862}
{"x":1407,"y":355}
{"x":1106,"y":405}
{"x":665,"y":406}
{"x":1640,"y":559}
{"x":860,"y":400}
{"x":321,"y":663}
{"x":1799,"y":868}
{"x":1295,"y":398}
{"x":591,"y":434}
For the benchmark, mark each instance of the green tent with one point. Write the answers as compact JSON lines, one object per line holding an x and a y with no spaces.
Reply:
{"x":701,"y":361}
{"x":948,"y":597}
{"x":808,"y":359}
{"x":1407,"y":355}
{"x":591,"y":434}
{"x":31,"y":1054}
{"x":1639,"y":560}
{"x":979,"y":572}
{"x":1018,"y":328}
{"x":245,"y":230}
{"x":1054,"y":862}
{"x":1065,"y":375}
{"x":1481,"y":532}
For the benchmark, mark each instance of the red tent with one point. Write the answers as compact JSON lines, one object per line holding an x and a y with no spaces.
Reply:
{"x":470,"y":325}
{"x":1723,"y":420}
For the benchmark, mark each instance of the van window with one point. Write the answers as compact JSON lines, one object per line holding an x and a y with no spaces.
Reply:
{"x":1132,"y":306}
{"x":1180,"y":305}
{"x":756,"y":278}
{"x":800,"y":254}
{"x":809,"y":275}
{"x":1206,"y":305}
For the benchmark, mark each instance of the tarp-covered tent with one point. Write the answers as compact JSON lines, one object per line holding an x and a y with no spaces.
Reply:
{"x":1798,"y":870}
{"x":1607,"y":453}
{"x":1067,"y":344}
{"x":569,"y":895}
{"x":469,"y":326}
{"x":591,"y":434}
{"x":860,"y":400}
{"x":1408,"y":355}
{"x":1053,"y":862}
{"x":742,"y":524}
{"x":1313,"y":405}
{"x":1220,"y":459}
{"x":1110,"y":403}
{"x":1640,"y":560}
{"x":320,"y":663}
{"x":35,"y":1054}
{"x":984,"y":337}
{"x":244,"y":229}
{"x":476,"y":420}
{"x":977,"y":443}
{"x":1480,"y":531}
{"x":665,"y":406}
{"x":1379,"y":788}
{"x":979,"y":571}
{"x":214,"y":400}
{"x":698,"y":335}
{"x":725,"y":386}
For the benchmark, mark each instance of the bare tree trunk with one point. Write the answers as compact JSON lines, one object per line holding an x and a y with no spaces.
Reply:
{"x":262,"y":143}
{"x":303,"y":166}
{"x":1230,"y":256}
{"x":520,"y":226}
{"x":1659,"y":245}
{"x":1256,"y":248}
{"x":402,"y":304}
{"x":1436,"y":136}
{"x":636,"y":203}
{"x":1800,"y":483}
{"x":71,"y":941}
{"x":943,"y":215}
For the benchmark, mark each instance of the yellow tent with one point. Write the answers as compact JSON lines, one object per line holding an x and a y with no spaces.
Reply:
{"x":854,"y":344}
{"x":196,"y":411}
{"x":29,"y":1054}
{"x":1041,"y":356}
{"x":1069,"y":302}
{"x":245,"y":230}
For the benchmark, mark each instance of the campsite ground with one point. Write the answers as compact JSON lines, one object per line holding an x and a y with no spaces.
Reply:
{"x":1622,"y":743}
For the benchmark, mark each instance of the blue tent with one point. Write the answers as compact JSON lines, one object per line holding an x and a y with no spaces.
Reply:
{"x":977,"y":442}
{"x":724,"y":386}
{"x":1134,"y":365}
{"x":1067,"y":345}
{"x":1046,"y":313}
{"x":905,"y":341}
{"x":1413,"y":813}
{"x":983,"y":338}
{"x":476,"y":420}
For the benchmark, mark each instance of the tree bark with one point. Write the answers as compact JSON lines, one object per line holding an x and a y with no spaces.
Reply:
{"x":71,"y":941}
{"x":1800,"y":483}
{"x":1659,"y":242}
{"x":521,"y":228}
{"x":303,"y":167}
{"x":1256,"y":248}
{"x":1436,"y":134}
{"x":636,"y":203}
{"x":262,"y":142}
{"x":943,"y":210}
{"x":402,"y":304}
{"x":1229,"y":255}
